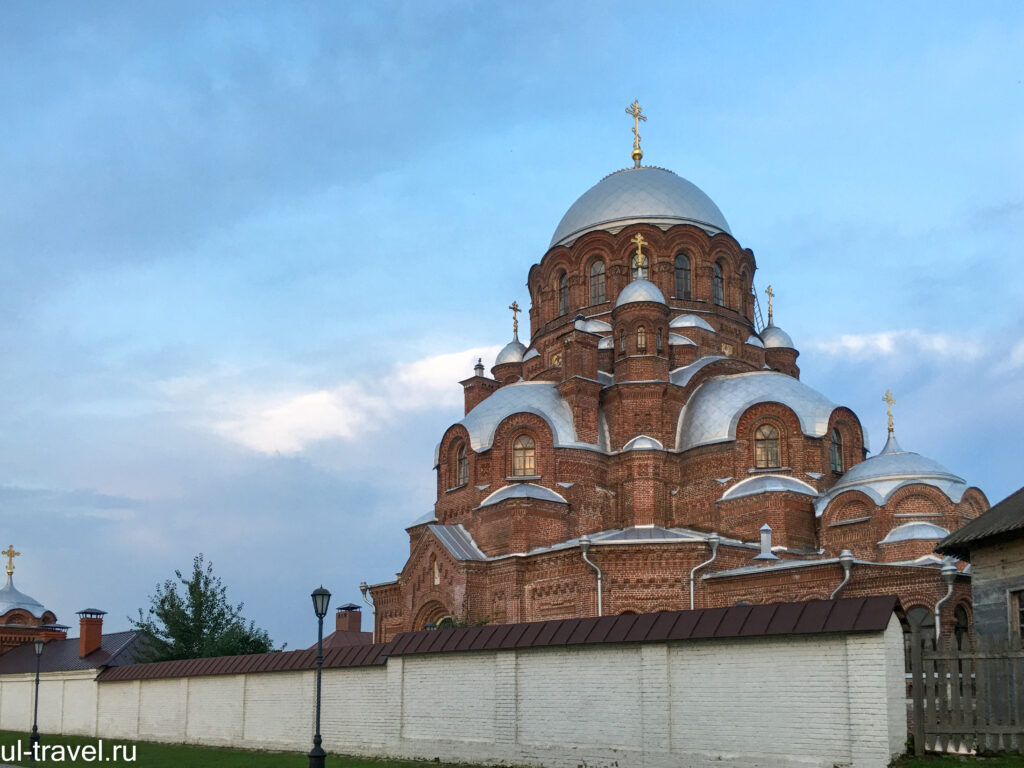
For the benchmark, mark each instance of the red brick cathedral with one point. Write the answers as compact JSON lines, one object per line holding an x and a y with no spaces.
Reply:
{"x":652,"y":447}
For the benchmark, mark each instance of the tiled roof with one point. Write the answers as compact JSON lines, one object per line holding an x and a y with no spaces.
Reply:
{"x":115,"y":649}
{"x":282,"y":661}
{"x":857,"y":614}
{"x":1006,"y":517}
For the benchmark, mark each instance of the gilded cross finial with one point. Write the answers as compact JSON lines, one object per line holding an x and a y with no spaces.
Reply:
{"x":640,"y":243}
{"x":890,"y":402}
{"x":11,"y":554}
{"x":514,"y":306}
{"x":771,"y":295}
{"x":636,"y":111}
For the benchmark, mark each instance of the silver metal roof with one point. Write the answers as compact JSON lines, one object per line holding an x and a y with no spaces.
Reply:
{"x":537,"y":397}
{"x":754,"y":341}
{"x":690,"y":321}
{"x":511,"y":353}
{"x":606,"y":343}
{"x":712,"y":412}
{"x":681,"y":376}
{"x":643,"y":443}
{"x":596,"y":326}
{"x":523,"y":491}
{"x":457,"y":540}
{"x":773,"y":336}
{"x":530,"y":355}
{"x":11,"y":598}
{"x":915,"y":531}
{"x":640,"y":290}
{"x":677,"y":339}
{"x":429,"y":517}
{"x":767,"y":484}
{"x":649,"y":195}
{"x":882,"y":475}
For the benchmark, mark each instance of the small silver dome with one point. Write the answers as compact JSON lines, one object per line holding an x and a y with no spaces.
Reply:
{"x":766,"y":484}
{"x":530,"y":355}
{"x":915,"y":531}
{"x":634,"y":195}
{"x":11,"y":599}
{"x":754,"y":341}
{"x":643,"y":443}
{"x":511,"y":353}
{"x":690,"y":321}
{"x":678,"y":340}
{"x":773,"y":336}
{"x":523,"y":491}
{"x":640,"y":290}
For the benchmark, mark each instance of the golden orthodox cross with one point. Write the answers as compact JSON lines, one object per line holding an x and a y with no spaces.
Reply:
{"x":514,"y":306}
{"x":640,"y":243}
{"x":636,"y":111}
{"x":890,"y":402}
{"x":771,"y":295}
{"x":11,"y":554}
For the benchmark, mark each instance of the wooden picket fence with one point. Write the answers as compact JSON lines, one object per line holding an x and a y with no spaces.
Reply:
{"x":967,"y":697}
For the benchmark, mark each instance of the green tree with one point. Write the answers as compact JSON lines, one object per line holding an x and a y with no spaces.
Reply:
{"x":197,"y":622}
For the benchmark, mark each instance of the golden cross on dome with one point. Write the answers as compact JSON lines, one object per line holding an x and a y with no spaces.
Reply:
{"x":771,"y":295}
{"x":514,"y":306}
{"x":890,"y":402}
{"x":11,"y":554}
{"x":640,"y":243}
{"x":636,"y":111}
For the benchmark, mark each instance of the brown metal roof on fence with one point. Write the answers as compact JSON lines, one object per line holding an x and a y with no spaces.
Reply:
{"x":854,"y":614}
{"x":365,"y":655}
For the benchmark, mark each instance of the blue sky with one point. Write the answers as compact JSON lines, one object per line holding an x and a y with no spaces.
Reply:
{"x":248,"y":250}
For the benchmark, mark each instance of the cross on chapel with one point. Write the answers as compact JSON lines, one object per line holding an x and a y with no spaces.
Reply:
{"x":640,"y":243}
{"x":636,"y":111}
{"x":771,"y":295}
{"x":890,"y":402}
{"x":11,"y":554}
{"x":514,"y":306}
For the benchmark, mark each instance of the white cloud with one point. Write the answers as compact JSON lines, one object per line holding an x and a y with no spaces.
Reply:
{"x":288,"y":424}
{"x":901,"y":343}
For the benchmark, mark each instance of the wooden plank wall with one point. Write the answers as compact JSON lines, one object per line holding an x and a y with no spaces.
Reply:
{"x":967,"y":697}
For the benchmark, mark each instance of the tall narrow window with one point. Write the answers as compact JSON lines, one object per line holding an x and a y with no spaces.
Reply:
{"x":961,"y":625}
{"x":658,"y":342}
{"x":524,"y":456}
{"x":597,"y":282}
{"x":719,"y":285}
{"x":682,"y":276}
{"x":638,"y":270}
{"x":766,"y":447}
{"x":641,"y":339}
{"x":563,"y":294}
{"x":836,"y":451}
{"x":622,"y":342}
{"x":461,"y":466}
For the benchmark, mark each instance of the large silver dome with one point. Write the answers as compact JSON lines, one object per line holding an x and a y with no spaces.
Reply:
{"x":649,"y":195}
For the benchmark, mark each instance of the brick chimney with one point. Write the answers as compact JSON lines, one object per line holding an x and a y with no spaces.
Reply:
{"x":90,"y":635}
{"x":349,"y":618}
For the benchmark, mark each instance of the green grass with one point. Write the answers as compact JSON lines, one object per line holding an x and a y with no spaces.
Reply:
{"x":949,"y":761}
{"x":150,"y":755}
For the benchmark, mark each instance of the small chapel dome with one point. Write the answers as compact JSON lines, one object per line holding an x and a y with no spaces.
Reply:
{"x":640,"y":290}
{"x":773,"y":336}
{"x":11,"y":599}
{"x":690,"y":321}
{"x":649,"y":195}
{"x":511,"y":353}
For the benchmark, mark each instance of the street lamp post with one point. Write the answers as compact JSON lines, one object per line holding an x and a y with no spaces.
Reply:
{"x":321,"y":599}
{"x":34,"y":738}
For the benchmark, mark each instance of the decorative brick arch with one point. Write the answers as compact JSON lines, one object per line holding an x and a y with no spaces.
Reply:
{"x":505,"y":434}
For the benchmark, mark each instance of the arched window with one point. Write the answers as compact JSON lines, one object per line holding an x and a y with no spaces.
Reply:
{"x":597,"y":282}
{"x":961,"y":625}
{"x":639,"y":271}
{"x":836,"y":451}
{"x":563,"y":293}
{"x":461,"y":473}
{"x":641,"y":339}
{"x":766,"y":447}
{"x":658,"y":341}
{"x":622,"y":342}
{"x":524,"y":456}
{"x":719,"y":285}
{"x":682,"y":276}
{"x":921,"y":620}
